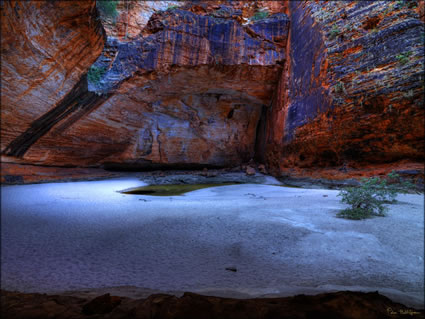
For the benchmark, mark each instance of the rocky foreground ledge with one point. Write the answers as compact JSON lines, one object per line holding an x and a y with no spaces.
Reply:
{"x":343,"y":304}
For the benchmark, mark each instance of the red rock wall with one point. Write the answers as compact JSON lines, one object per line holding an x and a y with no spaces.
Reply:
{"x":46,"y":47}
{"x":189,"y":91}
{"x":206,"y":84}
{"x":353,"y":89}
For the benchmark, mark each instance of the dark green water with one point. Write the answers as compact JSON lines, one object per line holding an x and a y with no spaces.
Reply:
{"x":170,"y":190}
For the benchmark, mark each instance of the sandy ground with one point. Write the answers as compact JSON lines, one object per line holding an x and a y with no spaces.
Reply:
{"x":87,"y":237}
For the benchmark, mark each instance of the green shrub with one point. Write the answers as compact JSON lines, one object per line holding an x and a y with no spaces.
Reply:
{"x":95,"y":74}
{"x":410,"y":4}
{"x":339,"y":87}
{"x":403,"y":58}
{"x":369,"y":198}
{"x":171,"y":8}
{"x":108,"y":7}
{"x":259,"y":15}
{"x":335,"y":31}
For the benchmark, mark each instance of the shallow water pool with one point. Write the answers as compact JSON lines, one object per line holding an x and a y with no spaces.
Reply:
{"x":170,"y":190}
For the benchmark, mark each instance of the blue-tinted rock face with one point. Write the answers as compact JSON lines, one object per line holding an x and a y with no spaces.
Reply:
{"x":189,"y":90}
{"x":308,"y":96}
{"x":354,"y":86}
{"x":187,"y":39}
{"x":336,"y":82}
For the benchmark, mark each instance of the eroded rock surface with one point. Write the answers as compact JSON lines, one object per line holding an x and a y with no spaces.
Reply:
{"x":213,"y":83}
{"x":45,"y":49}
{"x":190,"y":91}
{"x":352,"y":91}
{"x":132,"y":17}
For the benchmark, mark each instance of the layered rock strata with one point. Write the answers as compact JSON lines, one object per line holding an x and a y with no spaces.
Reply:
{"x":213,"y":83}
{"x":189,"y":91}
{"x":132,"y":16}
{"x":353,"y":88}
{"x":45,"y":49}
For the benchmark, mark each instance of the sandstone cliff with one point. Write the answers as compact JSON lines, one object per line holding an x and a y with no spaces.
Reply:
{"x":184,"y":83}
{"x":46,"y":47}
{"x":353,"y":87}
{"x":189,"y":90}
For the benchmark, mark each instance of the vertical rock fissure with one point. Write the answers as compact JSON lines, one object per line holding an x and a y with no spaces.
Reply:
{"x":260,"y":136}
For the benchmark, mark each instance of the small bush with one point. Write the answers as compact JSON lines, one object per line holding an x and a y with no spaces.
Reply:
{"x":95,"y":74}
{"x":339,"y":87}
{"x":335,"y":31}
{"x":108,"y":7}
{"x":369,"y":198}
{"x":259,"y":15}
{"x":409,"y":4}
{"x":171,"y":8}
{"x":403,"y":58}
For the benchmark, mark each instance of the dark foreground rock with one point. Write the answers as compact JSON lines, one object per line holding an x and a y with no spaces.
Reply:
{"x":343,"y":304}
